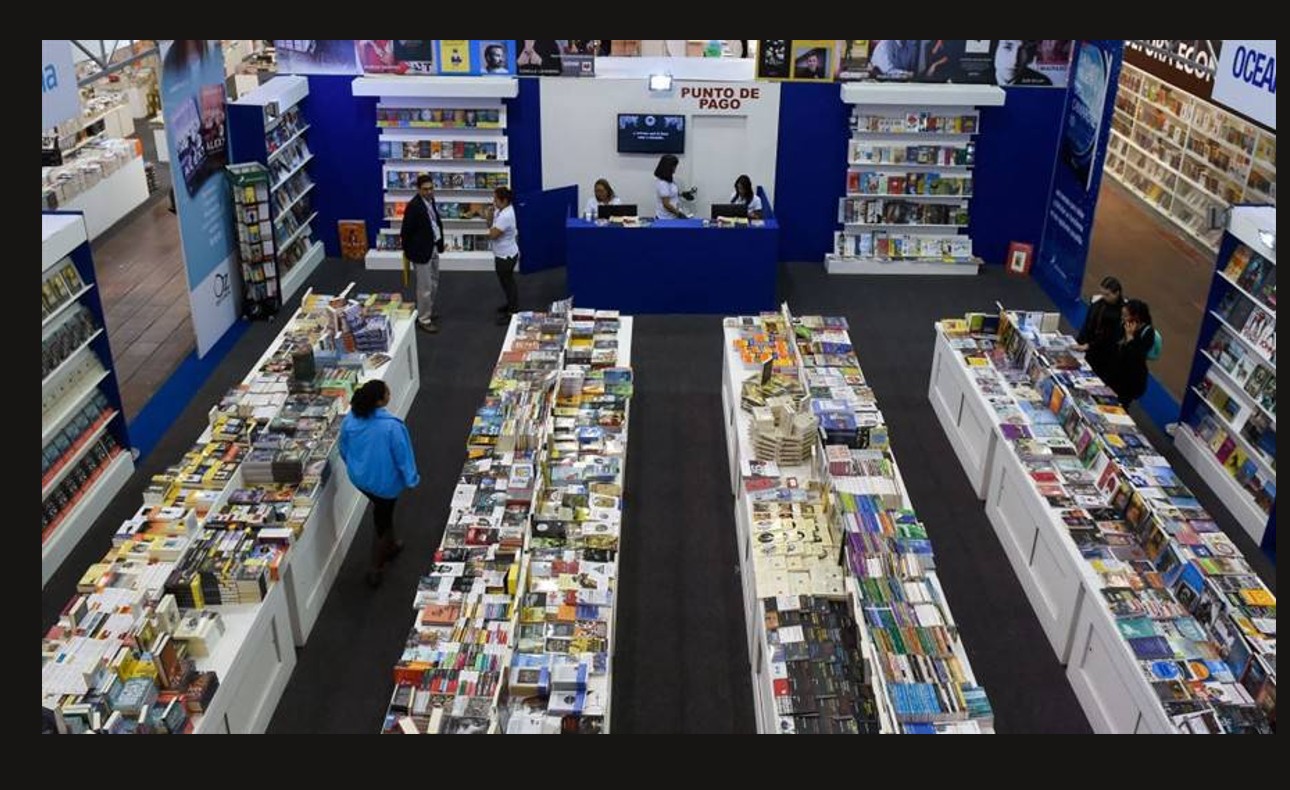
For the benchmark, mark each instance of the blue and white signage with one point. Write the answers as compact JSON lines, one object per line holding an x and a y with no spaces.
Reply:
{"x":59,"y":99}
{"x":1246,"y":79}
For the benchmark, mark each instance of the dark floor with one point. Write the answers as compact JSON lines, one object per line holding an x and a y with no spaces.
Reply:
{"x":681,"y":662}
{"x":1159,"y":263}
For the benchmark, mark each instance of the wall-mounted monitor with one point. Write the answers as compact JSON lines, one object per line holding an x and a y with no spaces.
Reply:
{"x":651,"y":134}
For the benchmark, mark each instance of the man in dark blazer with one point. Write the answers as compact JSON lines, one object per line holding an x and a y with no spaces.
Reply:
{"x":422,"y":234}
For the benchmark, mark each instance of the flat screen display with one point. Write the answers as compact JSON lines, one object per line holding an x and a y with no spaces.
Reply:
{"x":651,"y":134}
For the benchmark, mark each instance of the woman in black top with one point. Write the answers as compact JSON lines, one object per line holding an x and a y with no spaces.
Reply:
{"x":1102,"y":330}
{"x":1129,"y":379}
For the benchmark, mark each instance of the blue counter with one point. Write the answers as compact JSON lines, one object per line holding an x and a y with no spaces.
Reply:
{"x":673,"y":266}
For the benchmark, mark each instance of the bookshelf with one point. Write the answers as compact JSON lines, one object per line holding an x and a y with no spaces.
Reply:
{"x":85,"y":447}
{"x":267,"y":126}
{"x":1074,"y":490}
{"x":454,"y":130}
{"x":909,"y":179}
{"x":1182,"y":155}
{"x":1228,"y":427}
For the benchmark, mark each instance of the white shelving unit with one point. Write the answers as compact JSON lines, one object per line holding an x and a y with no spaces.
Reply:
{"x":65,"y":393}
{"x":911,"y":152}
{"x":1201,"y":411}
{"x":1183,"y":155}
{"x":447,"y":139}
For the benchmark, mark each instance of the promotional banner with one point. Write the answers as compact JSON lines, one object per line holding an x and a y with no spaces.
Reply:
{"x":59,"y":98}
{"x":193,"y":106}
{"x":556,"y":57}
{"x":450,"y":57}
{"x":1029,"y":62}
{"x":317,"y":56}
{"x":1063,"y":250}
{"x":1197,"y":80}
{"x":1246,"y":79}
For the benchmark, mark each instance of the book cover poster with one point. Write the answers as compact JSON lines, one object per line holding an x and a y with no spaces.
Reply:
{"x":414,"y":56}
{"x":1029,"y":62}
{"x":853,"y":59}
{"x":454,"y":56}
{"x":317,"y":56}
{"x":772,"y":58}
{"x":812,"y":59}
{"x":376,"y":56}
{"x":495,"y":56}
{"x":538,"y":57}
{"x":353,"y":239}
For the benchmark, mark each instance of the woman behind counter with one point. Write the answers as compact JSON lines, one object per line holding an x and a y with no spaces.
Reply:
{"x":603,"y":196}
{"x":667,"y":195}
{"x":745,"y":196}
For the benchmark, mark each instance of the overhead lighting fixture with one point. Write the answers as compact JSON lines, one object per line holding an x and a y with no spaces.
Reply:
{"x":1269,"y":238}
{"x":660,"y":82}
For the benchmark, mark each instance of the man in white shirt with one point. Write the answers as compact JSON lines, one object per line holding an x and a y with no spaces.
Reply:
{"x":506,"y":251}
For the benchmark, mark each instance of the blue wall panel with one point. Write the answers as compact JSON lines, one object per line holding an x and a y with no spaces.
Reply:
{"x":1013,"y":176}
{"x":524,"y":137}
{"x":810,"y":174}
{"x":347,"y":167}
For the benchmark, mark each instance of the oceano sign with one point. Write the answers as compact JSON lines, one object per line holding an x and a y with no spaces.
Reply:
{"x":1246,"y":79}
{"x":59,"y":99}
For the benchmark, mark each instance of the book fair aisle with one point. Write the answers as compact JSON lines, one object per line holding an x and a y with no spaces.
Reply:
{"x":948,"y":369}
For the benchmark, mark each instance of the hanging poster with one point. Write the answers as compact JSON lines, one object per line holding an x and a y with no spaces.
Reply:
{"x":853,"y":59}
{"x":415,"y":56}
{"x":193,"y":106}
{"x":1028,"y":62}
{"x":772,"y":59}
{"x":316,"y":56}
{"x":812,"y":59}
{"x":454,"y":56}
{"x":549,"y":57}
{"x":1063,"y":250}
{"x":495,"y":56}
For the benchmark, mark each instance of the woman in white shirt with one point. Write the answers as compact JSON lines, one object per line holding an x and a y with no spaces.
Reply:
{"x":745,"y":196}
{"x":506,"y":251}
{"x":604,"y":196}
{"x":667,"y":195}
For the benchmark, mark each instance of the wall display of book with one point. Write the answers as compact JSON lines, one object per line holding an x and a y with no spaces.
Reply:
{"x":850,"y":631}
{"x":1183,"y":155}
{"x":85,"y":447}
{"x":1229,"y":412}
{"x":1197,"y":620}
{"x":907,"y":167}
{"x":269,"y":130}
{"x":461,"y":144}
{"x":133,"y":651}
{"x":515,"y":620}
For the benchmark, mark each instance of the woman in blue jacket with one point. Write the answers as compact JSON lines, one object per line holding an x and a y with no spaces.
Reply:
{"x":377,"y":452}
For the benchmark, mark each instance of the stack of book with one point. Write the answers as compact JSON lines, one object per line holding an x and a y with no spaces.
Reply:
{"x":838,"y":540}
{"x":208,"y":534}
{"x":112,"y":664}
{"x":818,"y":669}
{"x":559,"y":679}
{"x":1199,"y":620}
{"x":782,"y":433}
{"x":455,"y":661}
